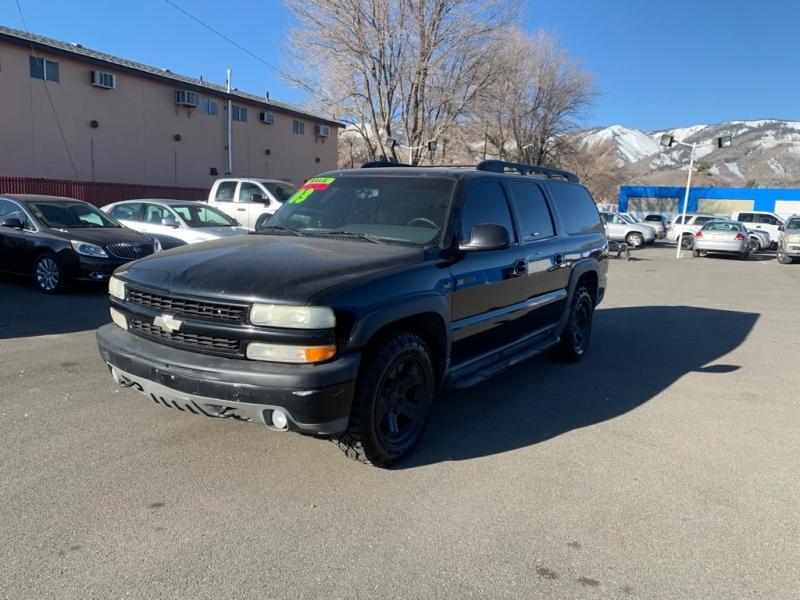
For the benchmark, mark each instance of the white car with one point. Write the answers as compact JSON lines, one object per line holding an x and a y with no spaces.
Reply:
{"x":677,"y":230}
{"x":249,"y":201}
{"x":761,"y":220}
{"x":189,"y":221}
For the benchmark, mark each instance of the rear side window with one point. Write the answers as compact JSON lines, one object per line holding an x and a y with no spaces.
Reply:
{"x":485,"y":204}
{"x":701,"y":220}
{"x":577,"y":209}
{"x":127,"y":212}
{"x":225,"y":191}
{"x":535,"y":222}
{"x":745,"y":217}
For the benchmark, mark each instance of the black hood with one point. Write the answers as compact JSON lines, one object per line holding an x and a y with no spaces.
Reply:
{"x":266,"y":267}
{"x":100,"y":235}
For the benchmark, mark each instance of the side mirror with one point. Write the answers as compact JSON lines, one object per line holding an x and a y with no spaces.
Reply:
{"x":12,"y":222}
{"x":170,"y":222}
{"x":486,"y":237}
{"x":781,"y":228}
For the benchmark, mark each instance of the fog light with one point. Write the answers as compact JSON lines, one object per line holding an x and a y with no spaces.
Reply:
{"x":279,"y":419}
{"x":119,"y":319}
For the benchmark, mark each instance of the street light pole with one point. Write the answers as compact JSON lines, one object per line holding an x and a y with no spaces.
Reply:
{"x":686,"y":199}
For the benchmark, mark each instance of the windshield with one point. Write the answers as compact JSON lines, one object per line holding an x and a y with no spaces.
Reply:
{"x":281,"y":191}
{"x":70,"y":215}
{"x":203,"y":216}
{"x":408,"y":210}
{"x":793,"y":224}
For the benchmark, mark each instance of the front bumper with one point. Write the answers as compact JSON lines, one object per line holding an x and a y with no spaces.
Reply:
{"x":316,"y":398}
{"x":791,"y":249}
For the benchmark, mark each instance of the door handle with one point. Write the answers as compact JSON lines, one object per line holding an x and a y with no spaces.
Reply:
{"x":241,"y":209}
{"x":520,"y":267}
{"x":558,"y":259}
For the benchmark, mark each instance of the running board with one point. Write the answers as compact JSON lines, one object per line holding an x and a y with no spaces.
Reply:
{"x":467,"y":376}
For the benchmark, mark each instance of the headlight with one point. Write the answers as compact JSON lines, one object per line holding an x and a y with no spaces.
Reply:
{"x":116,"y":288}
{"x":88,"y":249}
{"x":793,"y":238}
{"x":293,"y":317}
{"x":289,"y":354}
{"x":118,"y":318}
{"x":156,"y":245}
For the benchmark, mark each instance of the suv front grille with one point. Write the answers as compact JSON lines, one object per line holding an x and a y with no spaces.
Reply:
{"x":216,"y":311}
{"x":201,"y":342}
{"x":130,"y":250}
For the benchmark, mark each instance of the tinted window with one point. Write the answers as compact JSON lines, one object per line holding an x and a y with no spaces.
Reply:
{"x":577,"y":209}
{"x":281,"y":191}
{"x":250,"y":189}
{"x":485,"y":204}
{"x":766,"y":220}
{"x":701,"y":220}
{"x":746,"y":217}
{"x":723,"y":226}
{"x":63,"y":215}
{"x":225,"y":191}
{"x":127,"y":212}
{"x":653,"y":218}
{"x":535,"y":221}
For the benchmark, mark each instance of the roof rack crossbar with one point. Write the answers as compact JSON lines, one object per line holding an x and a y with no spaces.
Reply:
{"x":501,"y":166}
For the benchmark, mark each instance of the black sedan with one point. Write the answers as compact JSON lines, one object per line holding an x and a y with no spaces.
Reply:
{"x":58,"y":239}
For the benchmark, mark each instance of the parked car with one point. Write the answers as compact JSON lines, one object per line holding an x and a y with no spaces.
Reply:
{"x":657,"y":220}
{"x":759,"y":240}
{"x":620,"y":229}
{"x":191,"y":222}
{"x":249,"y":201}
{"x":348,"y":312}
{"x":763,"y":220}
{"x":58,"y":239}
{"x":677,"y":230}
{"x":789,"y":242}
{"x":659,"y":229}
{"x":722,"y":236}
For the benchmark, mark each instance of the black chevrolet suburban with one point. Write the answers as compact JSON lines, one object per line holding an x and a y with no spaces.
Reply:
{"x":368,"y":292}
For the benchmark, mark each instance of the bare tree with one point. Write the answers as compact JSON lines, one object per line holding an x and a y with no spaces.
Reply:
{"x":538,"y":99}
{"x":407,"y":69}
{"x":597,"y":166}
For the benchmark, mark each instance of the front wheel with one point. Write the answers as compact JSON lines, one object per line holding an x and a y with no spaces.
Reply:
{"x":49,"y":274}
{"x":575,"y":337}
{"x":782,"y":258}
{"x":392,"y":402}
{"x":262,"y":219}
{"x":634,"y":240}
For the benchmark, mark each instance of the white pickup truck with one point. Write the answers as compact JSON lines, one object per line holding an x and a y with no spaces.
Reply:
{"x":249,"y":201}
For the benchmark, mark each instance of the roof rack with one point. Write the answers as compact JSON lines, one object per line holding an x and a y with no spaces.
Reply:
{"x":501,"y":166}
{"x":493,"y":166}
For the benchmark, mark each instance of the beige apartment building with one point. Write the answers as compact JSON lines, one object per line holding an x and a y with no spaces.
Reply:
{"x":125,"y":122}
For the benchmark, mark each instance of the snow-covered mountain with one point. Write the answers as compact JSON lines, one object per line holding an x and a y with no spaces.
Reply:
{"x":766,"y":152}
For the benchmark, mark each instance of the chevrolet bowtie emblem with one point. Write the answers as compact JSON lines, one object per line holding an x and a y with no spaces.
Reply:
{"x":167,"y":323}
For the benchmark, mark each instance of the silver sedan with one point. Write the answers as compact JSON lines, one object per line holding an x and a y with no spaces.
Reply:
{"x":727,"y":237}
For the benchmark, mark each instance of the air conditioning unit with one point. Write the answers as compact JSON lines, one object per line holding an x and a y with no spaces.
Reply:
{"x":322,"y":131}
{"x":267,"y":118}
{"x":187,"y":98}
{"x":104,"y":80}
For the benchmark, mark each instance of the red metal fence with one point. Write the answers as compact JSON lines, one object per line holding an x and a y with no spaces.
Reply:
{"x":97,"y":193}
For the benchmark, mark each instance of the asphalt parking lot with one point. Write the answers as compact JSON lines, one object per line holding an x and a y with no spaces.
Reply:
{"x":665,"y":465}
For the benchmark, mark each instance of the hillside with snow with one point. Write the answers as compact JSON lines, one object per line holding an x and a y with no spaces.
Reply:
{"x":765,"y":151}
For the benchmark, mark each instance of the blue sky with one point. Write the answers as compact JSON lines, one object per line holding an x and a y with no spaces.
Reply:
{"x":658,"y":64}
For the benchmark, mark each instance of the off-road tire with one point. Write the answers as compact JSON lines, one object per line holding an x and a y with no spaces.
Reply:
{"x":364,"y":440}
{"x":48,"y":274}
{"x":575,"y":337}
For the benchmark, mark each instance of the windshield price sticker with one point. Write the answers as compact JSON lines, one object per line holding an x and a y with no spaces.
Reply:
{"x":309,"y":187}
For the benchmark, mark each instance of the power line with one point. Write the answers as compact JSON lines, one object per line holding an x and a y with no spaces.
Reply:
{"x":252,"y":54}
{"x":49,"y":97}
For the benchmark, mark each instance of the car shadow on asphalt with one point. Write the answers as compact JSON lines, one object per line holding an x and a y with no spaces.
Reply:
{"x":27,"y":312}
{"x":627,"y":364}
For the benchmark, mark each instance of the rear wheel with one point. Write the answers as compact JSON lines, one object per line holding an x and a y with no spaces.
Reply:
{"x":687,"y":241}
{"x":49,"y":274}
{"x":392,"y":403}
{"x":634,"y":240}
{"x":575,"y":337}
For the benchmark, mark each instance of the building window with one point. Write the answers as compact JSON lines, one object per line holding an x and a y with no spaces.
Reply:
{"x":209,"y":107}
{"x":298,"y":127}
{"x":239,"y":113}
{"x":41,"y":68}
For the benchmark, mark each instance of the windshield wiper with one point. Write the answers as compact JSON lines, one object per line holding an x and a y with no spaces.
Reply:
{"x":361,"y":236}
{"x":281,"y":228}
